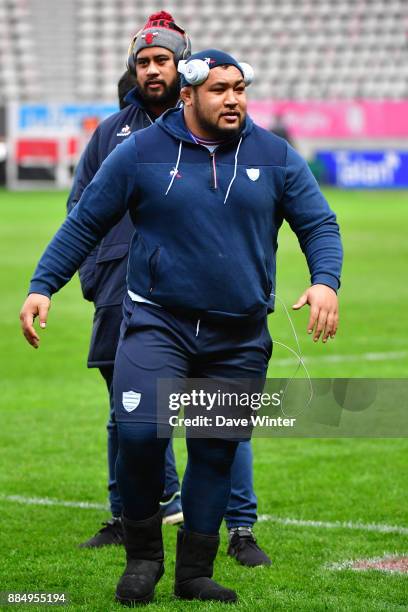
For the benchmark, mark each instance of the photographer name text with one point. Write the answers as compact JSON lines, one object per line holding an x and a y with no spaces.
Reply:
{"x":222,"y":421}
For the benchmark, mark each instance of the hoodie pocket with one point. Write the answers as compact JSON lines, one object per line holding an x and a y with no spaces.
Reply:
{"x":139,"y":268}
{"x":154,"y":261}
{"x":267,"y":283}
{"x":111,"y":252}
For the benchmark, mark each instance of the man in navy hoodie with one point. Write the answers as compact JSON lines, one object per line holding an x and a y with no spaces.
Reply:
{"x":153,"y":57}
{"x":207,"y":191}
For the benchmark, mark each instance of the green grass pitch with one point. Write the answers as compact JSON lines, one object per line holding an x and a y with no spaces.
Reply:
{"x":52,"y":432}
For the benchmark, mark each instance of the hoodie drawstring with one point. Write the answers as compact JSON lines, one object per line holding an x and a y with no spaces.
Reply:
{"x":175,"y":170}
{"x":149,"y":118}
{"x":235,"y":171}
{"x":198,"y":327}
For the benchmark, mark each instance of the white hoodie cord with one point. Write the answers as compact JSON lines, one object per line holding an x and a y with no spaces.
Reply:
{"x":198,"y":327}
{"x":235,"y":171}
{"x":175,"y":170}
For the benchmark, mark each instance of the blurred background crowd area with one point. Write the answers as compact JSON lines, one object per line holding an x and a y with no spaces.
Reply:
{"x":332,"y":76}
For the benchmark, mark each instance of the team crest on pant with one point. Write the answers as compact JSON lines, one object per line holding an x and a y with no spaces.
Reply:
{"x":131,"y":400}
{"x":253,"y":173}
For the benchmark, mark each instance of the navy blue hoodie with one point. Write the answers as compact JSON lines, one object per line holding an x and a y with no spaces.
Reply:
{"x":103,"y":273}
{"x":206,"y":225}
{"x":102,"y":281}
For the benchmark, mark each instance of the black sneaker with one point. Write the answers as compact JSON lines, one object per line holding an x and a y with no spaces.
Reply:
{"x":243,"y":547}
{"x":110,"y":534}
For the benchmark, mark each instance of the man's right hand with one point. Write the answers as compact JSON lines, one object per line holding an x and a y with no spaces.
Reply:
{"x":36,"y":305}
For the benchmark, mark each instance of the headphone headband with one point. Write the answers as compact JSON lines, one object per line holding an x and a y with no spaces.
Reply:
{"x":196,"y":71}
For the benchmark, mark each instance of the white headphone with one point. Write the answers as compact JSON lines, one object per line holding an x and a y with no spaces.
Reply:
{"x":196,"y":71}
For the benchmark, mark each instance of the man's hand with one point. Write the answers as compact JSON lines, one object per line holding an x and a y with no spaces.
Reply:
{"x":324,"y":311}
{"x":35,"y":305}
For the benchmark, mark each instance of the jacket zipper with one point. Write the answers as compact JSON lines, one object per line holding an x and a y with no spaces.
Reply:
{"x":214,"y":184}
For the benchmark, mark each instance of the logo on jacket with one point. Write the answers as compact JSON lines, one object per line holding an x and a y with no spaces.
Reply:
{"x":131,"y":400}
{"x":125,"y":131}
{"x":176,"y":172}
{"x":253,"y":173}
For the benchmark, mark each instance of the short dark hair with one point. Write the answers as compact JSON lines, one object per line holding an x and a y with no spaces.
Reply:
{"x":126,"y":82}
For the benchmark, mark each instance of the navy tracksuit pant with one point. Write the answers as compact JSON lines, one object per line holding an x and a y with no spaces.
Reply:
{"x":172,"y":483}
{"x":242,"y":505}
{"x":155,"y":344}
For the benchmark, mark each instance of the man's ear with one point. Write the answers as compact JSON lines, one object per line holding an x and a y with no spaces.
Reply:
{"x":186,"y":95}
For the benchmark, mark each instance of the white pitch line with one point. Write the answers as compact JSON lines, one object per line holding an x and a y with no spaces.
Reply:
{"x":387,"y":557}
{"x":47,"y":501}
{"x":392,"y":355}
{"x":379,"y":528}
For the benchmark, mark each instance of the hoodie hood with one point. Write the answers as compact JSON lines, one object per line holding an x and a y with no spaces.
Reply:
{"x":133,"y":97}
{"x":172,"y":122}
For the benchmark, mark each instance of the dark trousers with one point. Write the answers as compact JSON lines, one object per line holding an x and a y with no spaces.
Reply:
{"x":242,"y":504}
{"x":156,"y":344}
{"x":172,"y":483}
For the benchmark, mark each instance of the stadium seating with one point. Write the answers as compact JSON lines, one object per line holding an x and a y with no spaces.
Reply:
{"x":19,"y":74}
{"x":301,"y":49}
